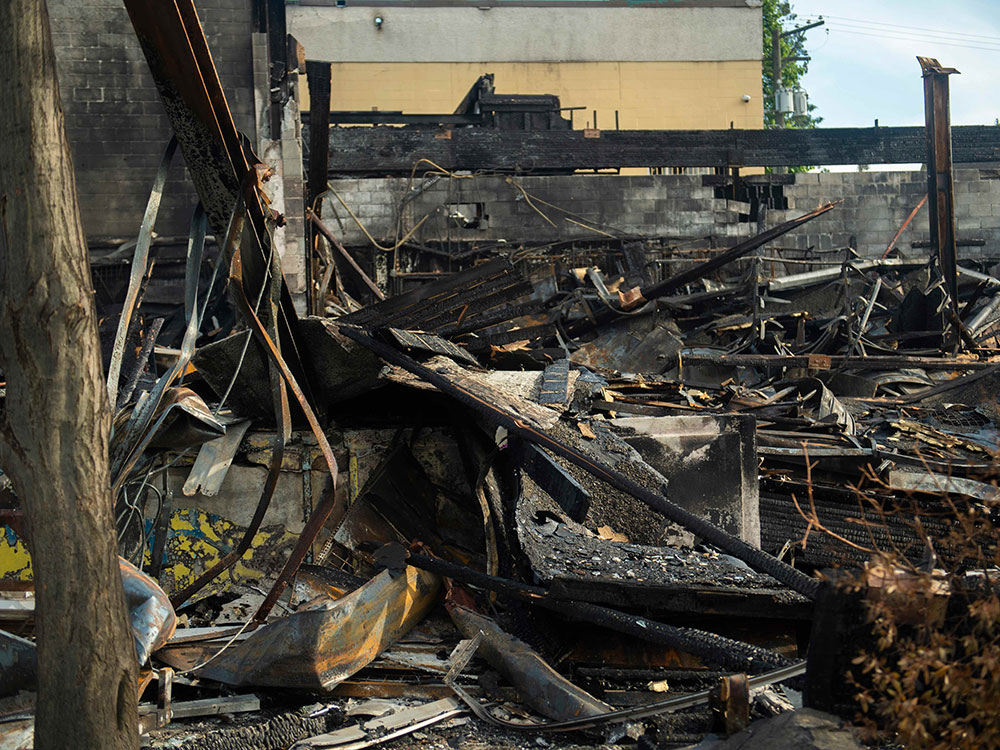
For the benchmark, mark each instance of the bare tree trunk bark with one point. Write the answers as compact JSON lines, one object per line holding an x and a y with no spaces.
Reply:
{"x":54,"y":429}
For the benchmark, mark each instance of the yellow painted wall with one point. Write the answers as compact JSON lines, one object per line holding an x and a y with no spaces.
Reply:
{"x":647,"y":95}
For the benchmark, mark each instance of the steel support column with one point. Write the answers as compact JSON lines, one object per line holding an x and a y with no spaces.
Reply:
{"x":940,"y":180}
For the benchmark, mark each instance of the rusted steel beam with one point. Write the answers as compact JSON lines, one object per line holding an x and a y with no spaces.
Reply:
{"x":227,"y":182}
{"x":270,"y":347}
{"x":180,"y":62}
{"x":940,"y":179}
{"x":903,"y":226}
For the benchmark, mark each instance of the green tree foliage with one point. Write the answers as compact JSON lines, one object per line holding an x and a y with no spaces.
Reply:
{"x":778,"y":14}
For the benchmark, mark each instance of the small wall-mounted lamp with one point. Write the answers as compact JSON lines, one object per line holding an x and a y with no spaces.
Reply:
{"x":378,"y":22}
{"x":746,"y":98}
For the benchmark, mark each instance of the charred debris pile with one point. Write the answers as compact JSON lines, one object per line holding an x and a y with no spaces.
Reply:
{"x":596,"y":510}
{"x":568,"y":507}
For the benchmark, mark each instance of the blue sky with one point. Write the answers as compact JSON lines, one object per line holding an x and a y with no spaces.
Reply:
{"x":865,"y":66}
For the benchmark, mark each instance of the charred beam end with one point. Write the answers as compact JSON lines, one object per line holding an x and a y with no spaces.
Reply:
{"x":752,"y":556}
{"x":394,"y":150}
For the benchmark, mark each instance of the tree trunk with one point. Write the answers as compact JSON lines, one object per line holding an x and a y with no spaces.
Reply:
{"x":54,"y":429}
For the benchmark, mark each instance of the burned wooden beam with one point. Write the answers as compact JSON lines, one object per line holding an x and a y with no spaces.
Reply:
{"x":319,"y":76}
{"x":540,"y":686}
{"x":384,"y":151}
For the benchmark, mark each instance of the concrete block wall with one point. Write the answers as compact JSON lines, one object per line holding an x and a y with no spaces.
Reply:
{"x":115,"y":121}
{"x":875,"y":205}
{"x":536,"y":209}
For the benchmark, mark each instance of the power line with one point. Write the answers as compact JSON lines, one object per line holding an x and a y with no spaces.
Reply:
{"x":913,"y":35}
{"x":909,"y":38}
{"x":937,"y":32}
{"x":916,"y":35}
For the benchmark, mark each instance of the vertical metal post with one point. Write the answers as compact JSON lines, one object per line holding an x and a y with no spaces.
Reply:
{"x":940,"y":180}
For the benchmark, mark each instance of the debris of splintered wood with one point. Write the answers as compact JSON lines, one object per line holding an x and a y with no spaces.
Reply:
{"x":460,"y":303}
{"x":466,"y":393}
{"x":384,"y":728}
{"x":482,"y":389}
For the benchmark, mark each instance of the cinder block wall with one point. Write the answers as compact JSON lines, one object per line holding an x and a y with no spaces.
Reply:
{"x":875,"y":204}
{"x":116,"y":124}
{"x":536,"y":209}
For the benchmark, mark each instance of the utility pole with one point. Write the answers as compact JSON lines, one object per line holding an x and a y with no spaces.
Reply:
{"x":777,"y":63}
{"x":779,"y":116}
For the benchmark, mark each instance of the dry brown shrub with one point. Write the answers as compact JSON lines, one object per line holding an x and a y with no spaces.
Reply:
{"x":931,"y":677}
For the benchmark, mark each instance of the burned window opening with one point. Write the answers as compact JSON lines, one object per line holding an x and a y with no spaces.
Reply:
{"x":468,"y":215}
{"x":769,"y":195}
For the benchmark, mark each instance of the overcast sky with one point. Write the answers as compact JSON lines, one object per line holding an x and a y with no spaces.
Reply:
{"x":864,"y":67}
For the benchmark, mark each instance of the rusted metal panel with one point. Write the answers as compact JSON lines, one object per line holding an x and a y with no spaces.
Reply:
{"x":323,"y":643}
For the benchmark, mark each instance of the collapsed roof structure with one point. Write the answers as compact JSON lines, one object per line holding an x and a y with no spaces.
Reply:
{"x":507,"y":487}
